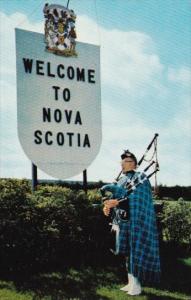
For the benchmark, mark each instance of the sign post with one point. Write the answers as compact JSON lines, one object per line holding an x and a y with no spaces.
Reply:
{"x":34,"y":177}
{"x":85,"y":183}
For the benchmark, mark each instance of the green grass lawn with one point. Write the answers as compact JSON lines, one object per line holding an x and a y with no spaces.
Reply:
{"x":54,"y":286}
{"x":9,"y":292}
{"x":87,"y":284}
{"x":96,"y":283}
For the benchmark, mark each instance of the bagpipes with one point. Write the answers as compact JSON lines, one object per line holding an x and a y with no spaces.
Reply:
{"x":121,"y":193}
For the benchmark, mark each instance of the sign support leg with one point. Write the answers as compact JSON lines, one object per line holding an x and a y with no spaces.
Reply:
{"x":85,"y":185}
{"x":34,"y":177}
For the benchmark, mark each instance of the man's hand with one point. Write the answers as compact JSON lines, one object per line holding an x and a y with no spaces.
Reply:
{"x":108,"y":204}
{"x":111,"y":203}
{"x":106,"y":211}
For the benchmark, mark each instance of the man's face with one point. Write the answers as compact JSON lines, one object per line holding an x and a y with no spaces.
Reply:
{"x":127,"y":164}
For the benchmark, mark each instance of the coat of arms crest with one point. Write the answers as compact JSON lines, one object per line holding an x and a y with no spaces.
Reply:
{"x":60,"y":34}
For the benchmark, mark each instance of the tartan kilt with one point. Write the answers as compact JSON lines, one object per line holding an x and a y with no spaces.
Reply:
{"x":122,"y":238}
{"x":137,"y":237}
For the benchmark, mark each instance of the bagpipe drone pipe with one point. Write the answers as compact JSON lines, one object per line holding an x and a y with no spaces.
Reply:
{"x":121,"y":193}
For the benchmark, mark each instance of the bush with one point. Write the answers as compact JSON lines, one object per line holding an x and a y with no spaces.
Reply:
{"x":14,"y":189}
{"x":56,"y":225}
{"x":52,"y":225}
{"x":176,"y":221}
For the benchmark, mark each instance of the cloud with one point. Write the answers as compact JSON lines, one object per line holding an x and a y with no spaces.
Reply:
{"x":128,"y":60}
{"x":180,"y":75}
{"x":133,"y":79}
{"x":7,"y":58}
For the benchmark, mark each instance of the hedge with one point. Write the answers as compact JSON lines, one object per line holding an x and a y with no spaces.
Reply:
{"x":53,"y":225}
{"x":176,"y":222}
{"x":57,"y":225}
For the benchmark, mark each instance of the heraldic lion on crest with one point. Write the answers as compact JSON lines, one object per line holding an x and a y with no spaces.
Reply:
{"x":60,"y":34}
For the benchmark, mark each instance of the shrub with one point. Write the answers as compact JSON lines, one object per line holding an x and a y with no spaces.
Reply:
{"x":52,"y":225}
{"x":57,"y":225}
{"x":176,"y":220}
{"x":14,"y":189}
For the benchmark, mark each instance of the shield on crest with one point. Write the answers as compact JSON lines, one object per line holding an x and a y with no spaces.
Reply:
{"x":59,"y":29}
{"x":58,"y":105}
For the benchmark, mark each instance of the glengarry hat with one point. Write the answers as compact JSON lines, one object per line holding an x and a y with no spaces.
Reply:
{"x":129,"y":154}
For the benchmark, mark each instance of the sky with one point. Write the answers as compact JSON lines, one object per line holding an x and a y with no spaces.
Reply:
{"x":145,"y":82}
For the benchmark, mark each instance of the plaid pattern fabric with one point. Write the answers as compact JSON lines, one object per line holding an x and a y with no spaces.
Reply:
{"x":122,"y":238}
{"x":138,"y":238}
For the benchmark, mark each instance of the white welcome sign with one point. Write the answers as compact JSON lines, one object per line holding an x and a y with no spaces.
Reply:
{"x":58,"y":105}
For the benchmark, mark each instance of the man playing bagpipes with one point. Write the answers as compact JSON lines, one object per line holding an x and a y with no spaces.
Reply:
{"x":134,"y":223}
